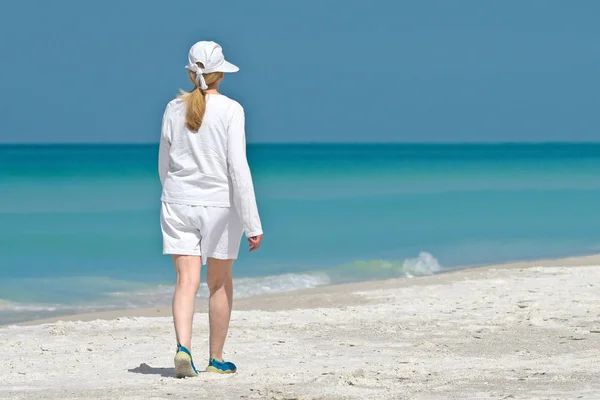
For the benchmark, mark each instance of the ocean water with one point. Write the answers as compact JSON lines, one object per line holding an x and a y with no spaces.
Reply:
{"x":79,"y":227}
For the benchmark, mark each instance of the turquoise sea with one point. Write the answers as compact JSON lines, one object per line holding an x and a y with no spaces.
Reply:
{"x":79,"y":227}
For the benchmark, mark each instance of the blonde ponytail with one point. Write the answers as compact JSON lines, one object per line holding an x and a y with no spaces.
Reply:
{"x":196,"y":100}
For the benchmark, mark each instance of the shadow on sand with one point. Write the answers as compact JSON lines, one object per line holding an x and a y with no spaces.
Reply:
{"x":148,"y":370}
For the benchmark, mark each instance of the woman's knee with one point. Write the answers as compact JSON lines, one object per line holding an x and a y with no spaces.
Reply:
{"x":188,"y":272}
{"x":215,"y":283}
{"x":188,"y":283}
{"x":218,"y":274}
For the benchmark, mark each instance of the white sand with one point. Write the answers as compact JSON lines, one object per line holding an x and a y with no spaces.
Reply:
{"x":508,"y":332}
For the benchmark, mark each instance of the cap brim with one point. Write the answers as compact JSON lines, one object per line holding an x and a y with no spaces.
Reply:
{"x":228,"y":67}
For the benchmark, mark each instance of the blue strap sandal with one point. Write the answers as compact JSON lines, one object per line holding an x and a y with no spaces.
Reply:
{"x":184,"y":364}
{"x":221,"y":367}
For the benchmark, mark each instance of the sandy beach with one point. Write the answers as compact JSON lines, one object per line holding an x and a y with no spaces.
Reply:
{"x":513,"y":331}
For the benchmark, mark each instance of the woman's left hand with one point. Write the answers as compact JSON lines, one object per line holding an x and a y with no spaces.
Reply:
{"x":254,"y":242}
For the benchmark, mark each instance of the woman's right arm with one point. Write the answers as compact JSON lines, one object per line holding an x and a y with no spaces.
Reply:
{"x":164,"y":147}
{"x":241,"y":178}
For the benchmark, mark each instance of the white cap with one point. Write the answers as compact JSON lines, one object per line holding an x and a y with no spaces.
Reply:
{"x":211,"y":56}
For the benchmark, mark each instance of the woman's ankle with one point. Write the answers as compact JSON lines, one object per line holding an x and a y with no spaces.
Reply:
{"x":188,"y":346}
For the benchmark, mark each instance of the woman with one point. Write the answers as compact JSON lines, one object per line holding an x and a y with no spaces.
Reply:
{"x":207,"y":200}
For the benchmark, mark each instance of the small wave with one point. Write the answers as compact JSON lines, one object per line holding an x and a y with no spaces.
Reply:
{"x":424,"y":264}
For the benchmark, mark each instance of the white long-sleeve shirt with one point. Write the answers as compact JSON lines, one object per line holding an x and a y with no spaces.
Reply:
{"x":208,"y":167}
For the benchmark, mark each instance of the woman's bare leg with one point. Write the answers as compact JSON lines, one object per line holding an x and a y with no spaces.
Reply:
{"x":218,"y":280}
{"x":188,"y":281}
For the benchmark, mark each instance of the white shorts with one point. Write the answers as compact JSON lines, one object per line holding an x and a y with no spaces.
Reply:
{"x":200,"y":231}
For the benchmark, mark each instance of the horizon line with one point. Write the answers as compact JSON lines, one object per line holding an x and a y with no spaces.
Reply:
{"x":444,"y":143}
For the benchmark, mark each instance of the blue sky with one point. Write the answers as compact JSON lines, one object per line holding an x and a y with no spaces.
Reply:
{"x":351,"y":71}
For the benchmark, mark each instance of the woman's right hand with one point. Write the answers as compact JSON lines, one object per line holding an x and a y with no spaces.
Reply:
{"x":254,"y":242}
